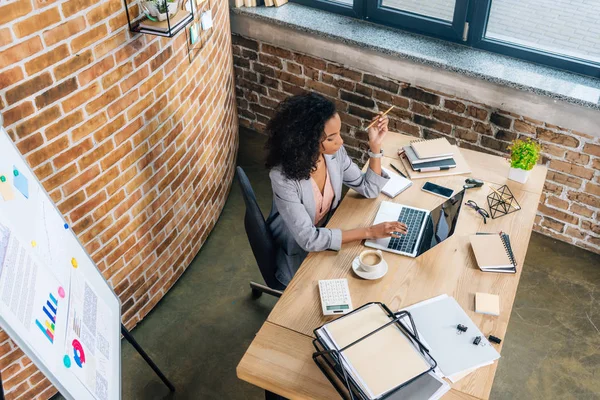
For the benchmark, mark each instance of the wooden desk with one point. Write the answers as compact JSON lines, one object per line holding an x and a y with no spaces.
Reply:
{"x":279,"y":359}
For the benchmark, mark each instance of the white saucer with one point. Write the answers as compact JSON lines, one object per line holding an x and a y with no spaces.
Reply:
{"x":383,"y":269}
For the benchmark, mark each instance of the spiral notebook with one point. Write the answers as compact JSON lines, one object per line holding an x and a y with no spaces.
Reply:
{"x":493,"y":252}
{"x":431,"y":148}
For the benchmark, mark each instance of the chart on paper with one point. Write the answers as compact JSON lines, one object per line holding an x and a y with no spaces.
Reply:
{"x":54,"y":302}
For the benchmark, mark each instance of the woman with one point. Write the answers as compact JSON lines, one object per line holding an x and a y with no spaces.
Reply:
{"x":308,"y":167}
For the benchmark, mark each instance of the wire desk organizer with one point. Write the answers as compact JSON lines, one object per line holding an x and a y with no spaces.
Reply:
{"x":329,"y":361}
{"x":502,"y":202}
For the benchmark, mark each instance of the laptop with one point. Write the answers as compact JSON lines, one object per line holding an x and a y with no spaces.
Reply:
{"x":426,"y":229}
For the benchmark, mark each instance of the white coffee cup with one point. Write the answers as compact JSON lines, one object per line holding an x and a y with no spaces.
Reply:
{"x":370,"y":260}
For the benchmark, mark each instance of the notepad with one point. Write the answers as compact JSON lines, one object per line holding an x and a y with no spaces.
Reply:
{"x":415,"y":161}
{"x":486,"y":303}
{"x":381,"y":361}
{"x":493,"y":253}
{"x":395,"y":185}
{"x":432,"y":148}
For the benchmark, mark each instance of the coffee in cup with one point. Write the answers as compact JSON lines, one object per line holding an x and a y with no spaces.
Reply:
{"x":370,"y":260}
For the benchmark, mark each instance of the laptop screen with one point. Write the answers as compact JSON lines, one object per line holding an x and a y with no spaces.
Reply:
{"x":441,"y":222}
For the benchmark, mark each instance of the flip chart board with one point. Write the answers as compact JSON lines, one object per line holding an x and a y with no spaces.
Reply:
{"x":54,"y":302}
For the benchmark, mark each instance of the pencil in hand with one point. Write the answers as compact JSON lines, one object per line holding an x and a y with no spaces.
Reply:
{"x":382,"y":115}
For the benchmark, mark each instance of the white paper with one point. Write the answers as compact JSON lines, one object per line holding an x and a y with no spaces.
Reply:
{"x":206,"y":20}
{"x":395,"y":185}
{"x":436,"y":321}
{"x":88,"y":337}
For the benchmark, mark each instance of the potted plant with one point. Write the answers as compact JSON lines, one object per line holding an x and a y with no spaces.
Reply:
{"x":157,"y":9}
{"x":524,"y":154}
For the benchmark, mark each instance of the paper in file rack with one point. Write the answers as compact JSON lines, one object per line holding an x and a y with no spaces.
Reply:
{"x":376,"y":354}
{"x":436,"y":321}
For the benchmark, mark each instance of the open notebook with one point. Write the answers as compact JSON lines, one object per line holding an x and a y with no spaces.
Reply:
{"x":380,"y":362}
{"x":493,"y":252}
{"x":396,"y":184}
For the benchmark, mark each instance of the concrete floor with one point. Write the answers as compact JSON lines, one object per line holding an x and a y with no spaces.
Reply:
{"x":198,"y":333}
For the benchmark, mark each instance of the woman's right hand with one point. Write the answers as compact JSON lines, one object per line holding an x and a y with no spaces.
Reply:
{"x":386,"y":229}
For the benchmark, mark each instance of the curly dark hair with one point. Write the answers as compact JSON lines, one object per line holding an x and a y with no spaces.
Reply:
{"x":296,"y":133}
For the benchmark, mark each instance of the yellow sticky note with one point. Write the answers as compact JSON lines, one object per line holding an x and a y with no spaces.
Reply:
{"x":74,"y":262}
{"x":33,"y":243}
{"x":6,"y":191}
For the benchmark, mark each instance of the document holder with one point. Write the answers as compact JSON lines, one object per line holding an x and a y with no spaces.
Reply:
{"x":330,"y":364}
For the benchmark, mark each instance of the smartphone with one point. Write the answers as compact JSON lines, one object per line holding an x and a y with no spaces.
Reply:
{"x":437,"y":189}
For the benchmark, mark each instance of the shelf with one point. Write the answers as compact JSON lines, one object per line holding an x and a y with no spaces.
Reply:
{"x":164,"y":31}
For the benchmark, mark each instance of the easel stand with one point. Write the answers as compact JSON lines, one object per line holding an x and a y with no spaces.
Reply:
{"x":127,"y":335}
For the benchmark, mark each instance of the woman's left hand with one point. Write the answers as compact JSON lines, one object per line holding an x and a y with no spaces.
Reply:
{"x":378,"y":131}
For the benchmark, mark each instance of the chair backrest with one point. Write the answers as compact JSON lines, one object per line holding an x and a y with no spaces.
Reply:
{"x":258,"y":234}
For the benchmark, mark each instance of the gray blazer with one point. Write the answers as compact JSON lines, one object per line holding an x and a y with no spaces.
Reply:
{"x":293,"y":213}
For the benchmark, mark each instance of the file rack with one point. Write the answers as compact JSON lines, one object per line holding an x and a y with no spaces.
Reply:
{"x":329,"y":362}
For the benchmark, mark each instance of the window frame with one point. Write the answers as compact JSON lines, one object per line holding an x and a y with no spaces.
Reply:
{"x":474,"y":12}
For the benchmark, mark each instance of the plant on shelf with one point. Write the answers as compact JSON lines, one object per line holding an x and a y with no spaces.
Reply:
{"x":524,"y":154}
{"x":158,"y":9}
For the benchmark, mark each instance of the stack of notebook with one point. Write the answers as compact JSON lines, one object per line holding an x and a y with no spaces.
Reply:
{"x":382,"y":361}
{"x":493,"y":252}
{"x":430,"y":155}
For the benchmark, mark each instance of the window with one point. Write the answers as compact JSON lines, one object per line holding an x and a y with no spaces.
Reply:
{"x":560,"y":33}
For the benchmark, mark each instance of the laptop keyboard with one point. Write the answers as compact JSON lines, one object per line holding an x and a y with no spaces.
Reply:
{"x":413,"y":219}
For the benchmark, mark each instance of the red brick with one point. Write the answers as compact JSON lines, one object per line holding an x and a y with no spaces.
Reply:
{"x":553,"y":150}
{"x":81,"y":97}
{"x":89,"y":37}
{"x":522,"y":126}
{"x":72,"y":154}
{"x":56,"y":93}
{"x":161,"y":58}
{"x":310,"y":61}
{"x":560,"y":215}
{"x":28,"y":88}
{"x":60,"y":178}
{"x":73,"y":6}
{"x":52,"y":57}
{"x":10,"y":77}
{"x":41,"y":119}
{"x":20,"y":51}
{"x":146,"y":54}
{"x":131,"y":48}
{"x":36,"y":23}
{"x":110,"y":44}
{"x":96,"y":154}
{"x":558,"y":203}
{"x":276,"y":51}
{"x":571,"y":169}
{"x":90,"y":126}
{"x":5,"y":37}
{"x":477,"y":113}
{"x":104,"y":10}
{"x":558,"y":138}
{"x":74,"y":64}
{"x":553,"y":224}
{"x":14,"y":10}
{"x":581,"y":210}
{"x":420,"y":95}
{"x":123,"y":103}
{"x":97,"y":70}
{"x":452,"y":118}
{"x":87,"y":207}
{"x":64,"y":31}
{"x":48,"y":151}
{"x":110,"y":128}
{"x":575,"y":232}
{"x":591,"y":227}
{"x":578,"y":158}
{"x":63,"y":125}
{"x":135,"y":78}
{"x":584,"y":198}
{"x":104,"y":99}
{"x":455,"y":106}
{"x":592,"y":189}
{"x":592,"y":149}
{"x":17,"y":113}
{"x":466,"y":134}
{"x":30,"y":143}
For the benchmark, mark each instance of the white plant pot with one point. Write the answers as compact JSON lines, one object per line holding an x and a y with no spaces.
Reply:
{"x":518,"y":175}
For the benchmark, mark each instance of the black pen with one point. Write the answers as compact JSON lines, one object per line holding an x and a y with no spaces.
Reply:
{"x":398,"y":171}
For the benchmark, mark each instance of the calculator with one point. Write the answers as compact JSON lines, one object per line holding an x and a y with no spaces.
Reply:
{"x":335,"y":296}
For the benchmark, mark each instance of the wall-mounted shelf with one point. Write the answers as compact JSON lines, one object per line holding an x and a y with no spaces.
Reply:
{"x":167,"y":28}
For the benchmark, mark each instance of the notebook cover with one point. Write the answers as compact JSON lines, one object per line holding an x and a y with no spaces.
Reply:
{"x":435,"y":165}
{"x":486,"y":303}
{"x":414,"y":160}
{"x":490,"y":251}
{"x":383,"y":360}
{"x":432,"y":148}
{"x":461,"y":167}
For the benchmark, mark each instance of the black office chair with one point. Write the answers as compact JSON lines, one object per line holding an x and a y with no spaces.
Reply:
{"x":260,"y":240}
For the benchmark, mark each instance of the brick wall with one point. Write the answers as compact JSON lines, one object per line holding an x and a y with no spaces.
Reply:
{"x":570,"y":206}
{"x":134,"y":143}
